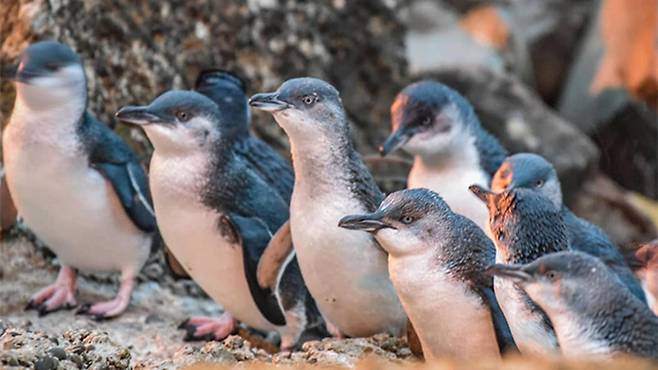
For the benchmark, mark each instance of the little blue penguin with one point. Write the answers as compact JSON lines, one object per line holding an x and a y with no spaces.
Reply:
{"x":451,"y":149}
{"x":525,"y":225}
{"x":75,"y":183}
{"x":437,"y":261}
{"x":345,"y":271}
{"x":217,"y":214}
{"x":532,"y":171}
{"x":593,"y":313}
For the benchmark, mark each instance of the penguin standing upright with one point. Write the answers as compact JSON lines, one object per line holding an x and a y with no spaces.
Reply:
{"x":525,"y":226}
{"x":451,"y":148}
{"x":437,"y":261}
{"x":75,"y":183}
{"x":346,"y":271}
{"x":218,"y":213}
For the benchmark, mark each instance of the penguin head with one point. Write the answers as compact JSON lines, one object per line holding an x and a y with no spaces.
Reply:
{"x":227,"y":90}
{"x":179,"y":121}
{"x":559,"y":280}
{"x":523,"y":222}
{"x":50,"y":74}
{"x":428,"y":119}
{"x":530,"y":171}
{"x":406,"y":222}
{"x":303,"y":107}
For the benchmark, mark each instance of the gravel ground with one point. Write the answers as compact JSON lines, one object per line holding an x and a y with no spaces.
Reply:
{"x":145,"y":337}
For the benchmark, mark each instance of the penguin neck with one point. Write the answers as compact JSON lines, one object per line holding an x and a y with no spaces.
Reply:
{"x":320,"y":161}
{"x":49,"y":121}
{"x":463,"y":156}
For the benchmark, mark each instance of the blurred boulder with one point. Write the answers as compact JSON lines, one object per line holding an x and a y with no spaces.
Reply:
{"x":522,"y":122}
{"x":612,"y":91}
{"x":614,"y":209}
{"x":536,"y":38}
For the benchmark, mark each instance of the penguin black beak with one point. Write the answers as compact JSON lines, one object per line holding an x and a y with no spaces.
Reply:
{"x":480,"y":192}
{"x":137,"y":115}
{"x":512,"y":272}
{"x":269,"y":102}
{"x":371,"y":222}
{"x":394,"y":141}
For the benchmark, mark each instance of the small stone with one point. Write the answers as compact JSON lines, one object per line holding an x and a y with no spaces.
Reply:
{"x":58,"y":353}
{"x":46,"y":363}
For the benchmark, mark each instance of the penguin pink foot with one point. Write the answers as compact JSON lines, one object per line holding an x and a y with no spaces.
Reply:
{"x":114,"y":307}
{"x":59,"y":295}
{"x":206,"y":328}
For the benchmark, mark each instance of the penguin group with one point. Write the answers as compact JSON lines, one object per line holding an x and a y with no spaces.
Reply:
{"x":479,"y":255}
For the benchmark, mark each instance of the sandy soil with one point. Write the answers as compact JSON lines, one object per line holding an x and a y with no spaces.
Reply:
{"x":145,"y":337}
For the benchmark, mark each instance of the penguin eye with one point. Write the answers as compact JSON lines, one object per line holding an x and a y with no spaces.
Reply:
{"x":406,"y":220}
{"x":551,"y":275}
{"x":539,"y":183}
{"x":52,"y":66}
{"x":427,"y":120}
{"x":182,"y":116}
{"x":310,"y":99}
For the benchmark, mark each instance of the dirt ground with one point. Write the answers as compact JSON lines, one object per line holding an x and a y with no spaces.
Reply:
{"x":145,"y":337}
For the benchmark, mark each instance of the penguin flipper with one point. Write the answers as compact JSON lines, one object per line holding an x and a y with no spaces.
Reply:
{"x":274,"y":257}
{"x":114,"y":159}
{"x":503,"y":333}
{"x":252,"y":235}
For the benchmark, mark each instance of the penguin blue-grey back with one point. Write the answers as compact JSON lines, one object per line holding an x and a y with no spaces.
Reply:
{"x":593,"y":313}
{"x":331,"y":181}
{"x":59,"y":161}
{"x":228,"y":91}
{"x":451,"y":148}
{"x":532,"y":171}
{"x":437,"y":261}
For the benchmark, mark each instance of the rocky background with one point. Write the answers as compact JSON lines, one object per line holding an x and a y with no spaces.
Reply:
{"x":574,"y":80}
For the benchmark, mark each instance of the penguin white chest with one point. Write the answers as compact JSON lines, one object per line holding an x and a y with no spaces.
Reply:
{"x":191,"y":232}
{"x":449,"y":318}
{"x":528,"y":329}
{"x":451,"y":182}
{"x":69,"y":205}
{"x":345,"y":271}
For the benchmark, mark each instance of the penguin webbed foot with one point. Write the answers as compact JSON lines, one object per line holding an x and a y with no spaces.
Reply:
{"x":201,"y":328}
{"x":106,"y":310}
{"x":60,"y":295}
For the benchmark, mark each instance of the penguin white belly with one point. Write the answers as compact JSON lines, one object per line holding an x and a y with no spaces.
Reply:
{"x":191,"y":232}
{"x":527,"y":327}
{"x":449,"y":318}
{"x":69,"y":205}
{"x":343,"y":269}
{"x":452,"y":183}
{"x":576,"y":340}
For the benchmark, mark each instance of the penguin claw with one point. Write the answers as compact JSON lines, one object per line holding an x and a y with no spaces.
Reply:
{"x":31,"y":305}
{"x":207,"y":329}
{"x":83,"y":309}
